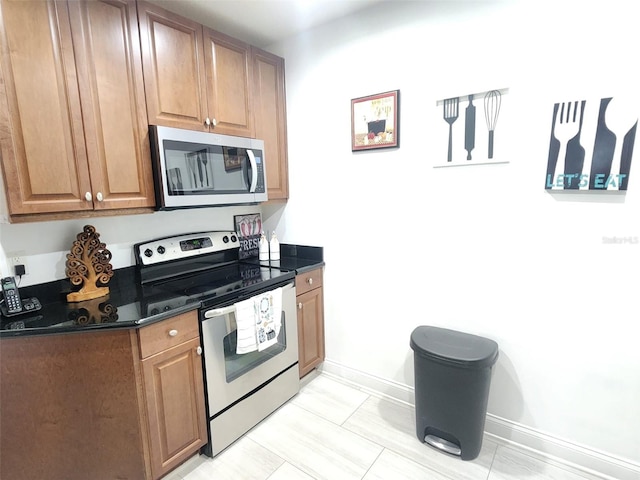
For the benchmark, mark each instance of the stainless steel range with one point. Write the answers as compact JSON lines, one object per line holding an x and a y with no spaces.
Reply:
{"x":248,"y":325}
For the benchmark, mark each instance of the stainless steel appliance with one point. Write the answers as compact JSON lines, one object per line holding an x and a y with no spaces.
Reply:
{"x":201,"y":169}
{"x":242,"y":387}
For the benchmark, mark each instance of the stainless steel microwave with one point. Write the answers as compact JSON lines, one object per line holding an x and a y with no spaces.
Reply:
{"x":200,"y":169}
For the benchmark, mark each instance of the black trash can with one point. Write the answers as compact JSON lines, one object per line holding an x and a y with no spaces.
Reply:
{"x":452,"y":380}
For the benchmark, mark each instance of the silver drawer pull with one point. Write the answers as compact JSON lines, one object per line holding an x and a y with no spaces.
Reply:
{"x":173,"y":333}
{"x":310,"y":281}
{"x":300,"y":306}
{"x":199,"y":350}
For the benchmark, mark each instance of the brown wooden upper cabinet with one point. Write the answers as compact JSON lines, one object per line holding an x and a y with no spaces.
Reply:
{"x":271,"y":119}
{"x":195,"y":78}
{"x":73,"y":127}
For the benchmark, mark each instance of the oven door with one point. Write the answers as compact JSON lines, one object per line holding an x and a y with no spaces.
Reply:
{"x":230,"y":376}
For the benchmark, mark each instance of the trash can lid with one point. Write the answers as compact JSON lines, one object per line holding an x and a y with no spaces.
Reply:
{"x":456,"y":348}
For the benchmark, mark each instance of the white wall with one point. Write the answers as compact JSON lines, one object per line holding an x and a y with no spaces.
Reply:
{"x":482,"y":249}
{"x":45,"y":245}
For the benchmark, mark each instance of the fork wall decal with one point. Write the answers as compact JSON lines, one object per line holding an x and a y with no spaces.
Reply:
{"x":450,"y":114}
{"x":567,"y":125}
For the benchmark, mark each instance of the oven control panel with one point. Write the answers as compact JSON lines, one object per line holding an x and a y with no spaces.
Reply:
{"x":184,"y":246}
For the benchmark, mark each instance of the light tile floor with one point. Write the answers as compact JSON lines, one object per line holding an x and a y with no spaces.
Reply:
{"x":334,"y":431}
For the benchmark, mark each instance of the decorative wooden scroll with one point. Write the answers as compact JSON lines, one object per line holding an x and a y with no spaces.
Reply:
{"x":94,"y":311}
{"x":87,"y":265}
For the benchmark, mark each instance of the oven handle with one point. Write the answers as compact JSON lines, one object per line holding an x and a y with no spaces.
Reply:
{"x":219,"y":312}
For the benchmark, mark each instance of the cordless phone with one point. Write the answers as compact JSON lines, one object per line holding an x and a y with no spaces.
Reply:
{"x":12,"y":300}
{"x":13,"y":304}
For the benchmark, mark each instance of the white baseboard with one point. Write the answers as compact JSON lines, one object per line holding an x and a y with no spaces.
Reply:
{"x":503,"y":431}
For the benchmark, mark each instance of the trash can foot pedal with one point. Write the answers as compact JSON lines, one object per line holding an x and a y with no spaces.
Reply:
{"x":442,"y":444}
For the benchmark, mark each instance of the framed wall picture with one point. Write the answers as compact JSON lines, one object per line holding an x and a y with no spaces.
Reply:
{"x":591,"y":143}
{"x":469,"y":129}
{"x":374,"y":121}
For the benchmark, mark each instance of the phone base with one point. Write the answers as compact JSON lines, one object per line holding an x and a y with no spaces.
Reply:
{"x":29,"y":305}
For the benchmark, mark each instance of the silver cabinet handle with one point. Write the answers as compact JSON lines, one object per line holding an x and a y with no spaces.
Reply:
{"x":199,"y":350}
{"x":214,"y":122}
{"x":99,"y":196}
{"x":207,"y":122}
{"x":300,"y":306}
{"x":310,"y":281}
{"x":173,"y":333}
{"x":88,"y":197}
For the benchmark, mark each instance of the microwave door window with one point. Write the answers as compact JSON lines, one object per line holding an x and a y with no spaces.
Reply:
{"x":231,"y":170}
{"x":198,"y":169}
{"x":196,"y":162}
{"x":185,"y":167}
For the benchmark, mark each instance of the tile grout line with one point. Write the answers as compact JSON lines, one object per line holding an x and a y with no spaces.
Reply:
{"x":394,"y":451}
{"x":493,"y":459}
{"x":374,"y":461}
{"x":341,"y":425}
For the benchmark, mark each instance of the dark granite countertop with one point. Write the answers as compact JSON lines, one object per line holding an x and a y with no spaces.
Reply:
{"x":125,"y":306}
{"x":296,"y":258}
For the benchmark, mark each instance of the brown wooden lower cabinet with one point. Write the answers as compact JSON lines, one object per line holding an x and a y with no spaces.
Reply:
{"x":174,"y":391}
{"x":89,"y":405}
{"x":310,"y":301}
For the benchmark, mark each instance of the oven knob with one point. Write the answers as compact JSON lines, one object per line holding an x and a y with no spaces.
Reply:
{"x":234,"y":239}
{"x":148,"y":253}
{"x":225,"y":239}
{"x":167,"y":308}
{"x":161,"y":250}
{"x":154,"y":311}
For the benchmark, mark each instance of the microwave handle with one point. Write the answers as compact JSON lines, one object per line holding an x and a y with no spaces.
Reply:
{"x":254,"y":171}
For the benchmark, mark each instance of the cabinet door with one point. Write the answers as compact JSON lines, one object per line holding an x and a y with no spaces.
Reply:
{"x":174,"y":394}
{"x":229,"y":84}
{"x":270,"y":119}
{"x":310,"y":330}
{"x":107,"y":46}
{"x":41,"y":133}
{"x":174,"y":71}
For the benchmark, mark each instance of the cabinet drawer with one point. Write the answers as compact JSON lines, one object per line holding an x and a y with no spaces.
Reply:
{"x":308,"y":281}
{"x":168,"y":333}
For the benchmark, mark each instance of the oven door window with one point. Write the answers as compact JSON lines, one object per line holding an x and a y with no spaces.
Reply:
{"x":198,"y":169}
{"x":235,"y":364}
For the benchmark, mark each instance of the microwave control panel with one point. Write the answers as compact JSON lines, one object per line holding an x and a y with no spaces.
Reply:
{"x":260,"y":172}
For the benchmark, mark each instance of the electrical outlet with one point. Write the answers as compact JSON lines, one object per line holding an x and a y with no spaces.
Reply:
{"x":18,"y":259}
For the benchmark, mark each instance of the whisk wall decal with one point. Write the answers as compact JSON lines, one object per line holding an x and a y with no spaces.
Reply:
{"x":599,"y":160}
{"x":490,"y":102}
